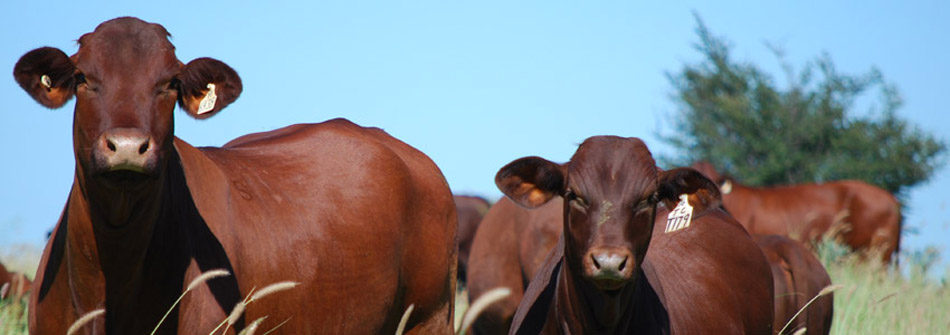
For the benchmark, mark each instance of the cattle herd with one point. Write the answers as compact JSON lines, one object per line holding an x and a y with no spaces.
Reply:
{"x":361,"y":227}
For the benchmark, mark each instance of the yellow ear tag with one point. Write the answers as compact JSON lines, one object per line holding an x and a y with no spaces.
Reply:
{"x":207,"y":103}
{"x":46,"y":82}
{"x":680,"y":217}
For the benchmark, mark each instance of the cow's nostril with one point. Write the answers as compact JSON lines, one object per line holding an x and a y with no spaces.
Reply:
{"x":596,"y":264}
{"x":143,"y":148}
{"x":623,"y":264}
{"x":110,"y":145}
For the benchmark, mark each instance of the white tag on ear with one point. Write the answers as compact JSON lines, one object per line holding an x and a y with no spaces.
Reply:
{"x":681,"y":216}
{"x":46,"y":81}
{"x":726,"y":187}
{"x":207,"y":103}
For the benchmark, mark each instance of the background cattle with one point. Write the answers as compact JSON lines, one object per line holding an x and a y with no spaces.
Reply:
{"x":709,"y":277}
{"x":798,"y":277}
{"x":13,"y":285}
{"x":509,"y":247}
{"x":364,"y":223}
{"x":806,"y":212}
{"x":470,"y":211}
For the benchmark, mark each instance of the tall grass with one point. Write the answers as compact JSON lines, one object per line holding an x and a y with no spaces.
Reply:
{"x":872,"y":299}
{"x":879,"y":299}
{"x":13,"y":314}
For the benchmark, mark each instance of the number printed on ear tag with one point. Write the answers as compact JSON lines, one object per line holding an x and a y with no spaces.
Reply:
{"x":207,"y":103}
{"x":680,"y":217}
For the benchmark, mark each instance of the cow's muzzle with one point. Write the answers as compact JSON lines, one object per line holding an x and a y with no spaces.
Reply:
{"x":609,"y":268}
{"x":125,"y":154}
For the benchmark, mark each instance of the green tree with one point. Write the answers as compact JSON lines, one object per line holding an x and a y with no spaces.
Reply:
{"x":734,"y":116}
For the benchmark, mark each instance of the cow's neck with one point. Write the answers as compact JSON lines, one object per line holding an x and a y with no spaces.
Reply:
{"x":142,"y":277}
{"x":584,"y":309}
{"x":123,"y":223}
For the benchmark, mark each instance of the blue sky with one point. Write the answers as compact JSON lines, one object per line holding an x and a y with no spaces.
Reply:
{"x":472,"y":84}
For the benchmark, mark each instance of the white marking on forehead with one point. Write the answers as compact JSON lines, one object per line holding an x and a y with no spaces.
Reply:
{"x":604,"y":212}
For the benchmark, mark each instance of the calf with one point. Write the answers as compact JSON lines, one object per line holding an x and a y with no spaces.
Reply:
{"x":614,"y":271}
{"x":798,"y":277}
{"x":363,"y":222}
{"x":807,"y":212}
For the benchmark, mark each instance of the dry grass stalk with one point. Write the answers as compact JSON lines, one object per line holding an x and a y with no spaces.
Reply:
{"x":825,"y":291}
{"x":252,"y":328}
{"x":275,"y":327}
{"x":405,"y":318}
{"x":236,"y":313}
{"x":205,"y":276}
{"x":478,"y":306}
{"x":273,"y":288}
{"x":82,"y":321}
{"x":251,"y":297}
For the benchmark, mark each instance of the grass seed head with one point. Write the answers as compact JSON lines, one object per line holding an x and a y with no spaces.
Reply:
{"x":206,"y":276}
{"x":82,"y":321}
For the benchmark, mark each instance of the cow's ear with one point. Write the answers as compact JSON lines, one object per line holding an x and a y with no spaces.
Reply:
{"x":46,"y":74}
{"x":531,"y":181}
{"x":206,"y":86}
{"x":702,"y":192}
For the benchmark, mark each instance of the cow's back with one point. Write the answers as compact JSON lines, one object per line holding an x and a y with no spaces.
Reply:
{"x":798,"y":277}
{"x":710,"y":276}
{"x":800,"y":211}
{"x":365,"y":222}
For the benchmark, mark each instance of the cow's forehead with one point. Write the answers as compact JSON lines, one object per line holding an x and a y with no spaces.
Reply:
{"x":613,"y":166}
{"x":125,"y":44}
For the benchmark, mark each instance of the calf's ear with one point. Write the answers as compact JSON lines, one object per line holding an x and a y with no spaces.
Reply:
{"x":46,"y":74}
{"x":531,"y":181}
{"x":206,"y":86}
{"x":702,"y":192}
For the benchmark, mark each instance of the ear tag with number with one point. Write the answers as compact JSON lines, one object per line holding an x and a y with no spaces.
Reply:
{"x":207,"y":103}
{"x":681,"y":216}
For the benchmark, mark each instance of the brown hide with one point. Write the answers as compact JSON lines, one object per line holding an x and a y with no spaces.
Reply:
{"x":470,"y":211}
{"x":707,"y":278}
{"x":363,"y":222}
{"x":806,"y":212}
{"x":798,"y":276}
{"x":508,"y":250}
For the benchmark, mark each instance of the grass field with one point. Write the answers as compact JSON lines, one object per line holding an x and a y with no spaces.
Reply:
{"x":873,"y":299}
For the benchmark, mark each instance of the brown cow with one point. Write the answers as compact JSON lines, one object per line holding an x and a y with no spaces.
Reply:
{"x":798,"y":277}
{"x":508,"y":250}
{"x":470,"y":211}
{"x":806,"y":212}
{"x":16,"y":284}
{"x":703,"y":277}
{"x":364,"y":222}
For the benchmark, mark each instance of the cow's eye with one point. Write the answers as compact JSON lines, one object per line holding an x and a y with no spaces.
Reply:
{"x":644,"y":205}
{"x":80,"y":78}
{"x":576,"y":200}
{"x":168,"y":87}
